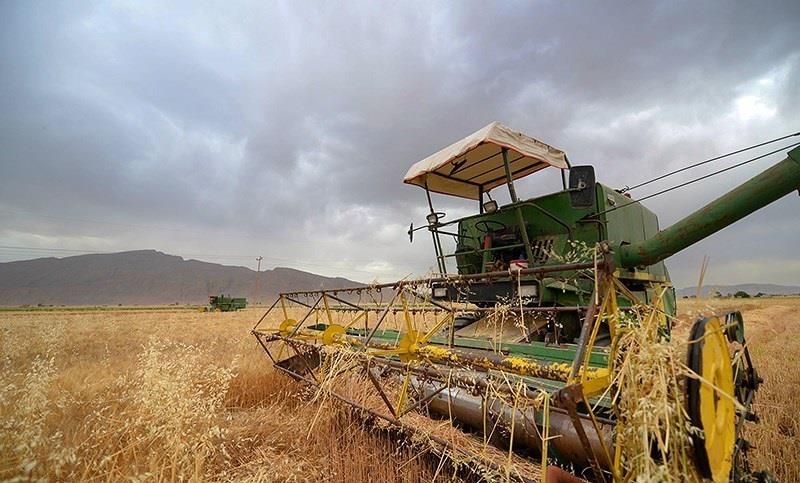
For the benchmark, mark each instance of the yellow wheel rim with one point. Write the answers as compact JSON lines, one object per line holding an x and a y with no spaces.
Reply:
{"x":287,"y":326}
{"x":710,"y":400}
{"x":332,"y":334}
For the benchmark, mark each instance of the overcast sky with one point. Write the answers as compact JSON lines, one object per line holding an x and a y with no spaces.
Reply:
{"x":227,"y":130}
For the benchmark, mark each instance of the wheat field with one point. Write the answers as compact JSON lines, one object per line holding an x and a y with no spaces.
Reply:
{"x":177,"y":395}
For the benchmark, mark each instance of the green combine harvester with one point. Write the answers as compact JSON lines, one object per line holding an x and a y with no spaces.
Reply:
{"x":544,"y":291}
{"x":225,"y":303}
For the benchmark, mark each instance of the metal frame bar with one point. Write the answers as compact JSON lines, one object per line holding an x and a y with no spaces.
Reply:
{"x":465,"y":166}
{"x":437,"y":242}
{"x":279,"y":299}
{"x":523,"y":230}
{"x":567,"y":398}
{"x":311,"y":310}
{"x":383,"y":315}
{"x":498,"y":275}
{"x":483,"y":173}
{"x":514,"y":173}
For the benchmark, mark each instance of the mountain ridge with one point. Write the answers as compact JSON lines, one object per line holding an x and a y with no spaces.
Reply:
{"x":144,"y":277}
{"x":750,"y":288}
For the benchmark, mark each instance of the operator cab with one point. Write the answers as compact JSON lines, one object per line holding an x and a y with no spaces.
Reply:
{"x":559,"y":228}
{"x":497,"y":238}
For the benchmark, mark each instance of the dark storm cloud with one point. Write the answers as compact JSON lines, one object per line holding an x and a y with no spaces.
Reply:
{"x":284,"y":129}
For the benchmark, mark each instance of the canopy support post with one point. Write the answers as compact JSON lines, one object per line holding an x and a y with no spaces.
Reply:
{"x":437,"y":245}
{"x":520,"y":219}
{"x":509,"y":178}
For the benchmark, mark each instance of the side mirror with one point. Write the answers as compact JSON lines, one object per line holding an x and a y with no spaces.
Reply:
{"x":582,"y":186}
{"x":411,"y":233}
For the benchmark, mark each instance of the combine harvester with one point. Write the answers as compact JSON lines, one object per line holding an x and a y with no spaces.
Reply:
{"x":553,"y":339}
{"x":224,"y":303}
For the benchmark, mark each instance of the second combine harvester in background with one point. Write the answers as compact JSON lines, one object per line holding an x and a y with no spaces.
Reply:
{"x":543,"y":289}
{"x":225,"y":303}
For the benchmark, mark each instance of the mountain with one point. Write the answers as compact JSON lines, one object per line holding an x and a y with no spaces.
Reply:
{"x":750,"y":288}
{"x":143,"y":277}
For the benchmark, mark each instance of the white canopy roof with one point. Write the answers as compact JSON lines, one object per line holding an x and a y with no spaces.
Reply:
{"x":475,"y":163}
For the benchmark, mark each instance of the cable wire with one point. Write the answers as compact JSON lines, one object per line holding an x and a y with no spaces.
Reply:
{"x":629,"y":188}
{"x":686,"y":183}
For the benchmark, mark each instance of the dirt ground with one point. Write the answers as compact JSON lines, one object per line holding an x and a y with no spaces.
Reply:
{"x":154,"y":395}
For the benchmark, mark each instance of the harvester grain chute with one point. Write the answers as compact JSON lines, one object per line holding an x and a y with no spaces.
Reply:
{"x":541,"y":339}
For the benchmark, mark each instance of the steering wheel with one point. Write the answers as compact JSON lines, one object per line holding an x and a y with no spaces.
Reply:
{"x":484,"y":226}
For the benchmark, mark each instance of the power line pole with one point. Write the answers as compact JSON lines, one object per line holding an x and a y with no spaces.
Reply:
{"x":258,"y":275}
{"x":703,"y":268}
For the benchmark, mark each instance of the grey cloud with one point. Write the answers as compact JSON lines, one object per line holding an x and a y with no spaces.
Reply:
{"x":285,"y":128}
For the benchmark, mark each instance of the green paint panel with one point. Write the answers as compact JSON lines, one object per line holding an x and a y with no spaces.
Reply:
{"x":550,"y":221}
{"x":761,"y":190}
{"x":226,"y":303}
{"x":534,"y":350}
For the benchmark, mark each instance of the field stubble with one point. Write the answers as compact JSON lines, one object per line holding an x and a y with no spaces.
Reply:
{"x":179,"y":395}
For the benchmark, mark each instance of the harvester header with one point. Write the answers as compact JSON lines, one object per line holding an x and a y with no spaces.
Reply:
{"x":547,"y":329}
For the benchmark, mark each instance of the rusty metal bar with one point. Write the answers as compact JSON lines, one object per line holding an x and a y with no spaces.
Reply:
{"x":354,"y":306}
{"x":266,"y":313}
{"x":263,"y":346}
{"x":420,"y":402}
{"x":513,"y":309}
{"x":383,"y":316}
{"x":602,"y":274}
{"x":290,"y":299}
{"x":429,"y":300}
{"x":300,"y":324}
{"x":303,"y":357}
{"x":567,"y":399}
{"x":459,"y":278}
{"x":598,"y":431}
{"x":381,"y":392}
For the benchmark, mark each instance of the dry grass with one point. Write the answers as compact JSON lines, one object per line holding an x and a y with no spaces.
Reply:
{"x":178,"y":395}
{"x":653,"y":431}
{"x":165,"y":396}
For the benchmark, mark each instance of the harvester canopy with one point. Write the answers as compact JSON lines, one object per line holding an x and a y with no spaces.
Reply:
{"x":475,"y":164}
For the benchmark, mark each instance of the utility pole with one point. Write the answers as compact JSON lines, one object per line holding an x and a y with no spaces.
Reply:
{"x":703,"y":268}
{"x":258,"y":275}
